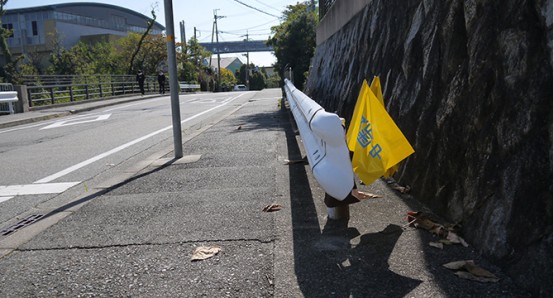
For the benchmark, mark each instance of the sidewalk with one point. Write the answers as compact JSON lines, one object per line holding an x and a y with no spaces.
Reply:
{"x":135,"y":237}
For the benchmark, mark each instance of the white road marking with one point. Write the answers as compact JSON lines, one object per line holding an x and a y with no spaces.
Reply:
{"x":202,"y":100}
{"x":35,"y":189}
{"x":126,"y":145}
{"x":3,"y":199}
{"x":38,"y":124}
{"x":81,"y":120}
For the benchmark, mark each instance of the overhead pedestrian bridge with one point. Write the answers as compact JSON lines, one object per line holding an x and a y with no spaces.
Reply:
{"x":237,"y":46}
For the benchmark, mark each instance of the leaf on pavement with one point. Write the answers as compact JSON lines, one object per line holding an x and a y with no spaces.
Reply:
{"x":436,"y":244}
{"x":468,"y":270}
{"x":453,"y":238}
{"x":402,"y":189}
{"x":362,"y":195}
{"x":272,"y":208}
{"x":204,"y":252}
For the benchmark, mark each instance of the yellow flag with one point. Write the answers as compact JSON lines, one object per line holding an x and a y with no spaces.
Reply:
{"x":377,"y":143}
{"x":376,"y":89}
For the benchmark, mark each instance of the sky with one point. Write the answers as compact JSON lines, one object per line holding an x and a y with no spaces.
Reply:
{"x":236,"y":18}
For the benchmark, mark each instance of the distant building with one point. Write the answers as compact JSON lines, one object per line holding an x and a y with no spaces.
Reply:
{"x":37,"y":29}
{"x":269,"y":70}
{"x":231,"y":63}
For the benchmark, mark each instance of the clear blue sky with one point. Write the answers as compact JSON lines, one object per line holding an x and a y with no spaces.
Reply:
{"x":238,"y":18}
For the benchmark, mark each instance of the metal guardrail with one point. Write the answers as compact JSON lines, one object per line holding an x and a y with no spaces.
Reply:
{"x":186,"y":86}
{"x":44,"y":90}
{"x":324,"y":141}
{"x":55,"y":94}
{"x":7,"y":97}
{"x":55,"y":89}
{"x":38,"y":80}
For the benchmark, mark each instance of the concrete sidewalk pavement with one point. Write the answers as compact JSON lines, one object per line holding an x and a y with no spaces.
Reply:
{"x":136,"y":237}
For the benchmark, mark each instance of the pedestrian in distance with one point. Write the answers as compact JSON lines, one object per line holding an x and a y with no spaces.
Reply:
{"x":140,"y":80}
{"x":161,"y":81}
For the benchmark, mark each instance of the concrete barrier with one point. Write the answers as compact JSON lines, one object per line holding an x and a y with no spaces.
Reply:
{"x":324,"y":141}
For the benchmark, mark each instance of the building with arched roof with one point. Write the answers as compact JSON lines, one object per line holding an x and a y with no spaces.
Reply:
{"x":38,"y":29}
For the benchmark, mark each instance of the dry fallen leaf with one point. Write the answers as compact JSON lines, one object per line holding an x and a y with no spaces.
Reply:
{"x":456,"y":265}
{"x":204,"y":252}
{"x":272,"y":208}
{"x":468,"y":270}
{"x":436,"y":244}
{"x":467,"y":275}
{"x":402,"y":189}
{"x":452,"y":237}
{"x":362,"y":195}
{"x":444,"y":241}
{"x":420,"y":220}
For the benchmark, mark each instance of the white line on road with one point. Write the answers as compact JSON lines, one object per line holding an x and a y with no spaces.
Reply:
{"x":3,"y":199}
{"x":91,"y":118}
{"x":126,"y":145}
{"x":34,"y":189}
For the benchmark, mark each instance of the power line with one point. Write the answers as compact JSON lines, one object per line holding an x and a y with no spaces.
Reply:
{"x":254,"y":8}
{"x":268,"y":6}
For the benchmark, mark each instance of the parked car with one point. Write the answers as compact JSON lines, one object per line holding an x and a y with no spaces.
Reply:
{"x":240,"y":87}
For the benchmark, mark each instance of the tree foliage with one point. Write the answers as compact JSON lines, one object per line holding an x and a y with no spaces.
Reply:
{"x":191,"y":66}
{"x":149,"y":23}
{"x":9,"y":70}
{"x":294,"y":41}
{"x":256,"y":79}
{"x":228,"y":79}
{"x":122,"y":56}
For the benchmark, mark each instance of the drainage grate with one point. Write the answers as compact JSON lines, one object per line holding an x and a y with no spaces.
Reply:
{"x":20,"y":224}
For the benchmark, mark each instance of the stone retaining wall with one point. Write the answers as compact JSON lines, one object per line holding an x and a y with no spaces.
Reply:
{"x":470,"y":85}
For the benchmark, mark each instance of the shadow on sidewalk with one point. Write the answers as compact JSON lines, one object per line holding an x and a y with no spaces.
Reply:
{"x":326,"y":262}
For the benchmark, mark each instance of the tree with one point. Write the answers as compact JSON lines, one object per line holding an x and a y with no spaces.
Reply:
{"x":150,"y":58}
{"x":273,"y":80}
{"x":82,"y":59}
{"x":228,"y":79}
{"x":191,"y":68}
{"x":257,"y":81}
{"x":150,"y":23}
{"x":241,"y":74}
{"x":294,"y":41}
{"x":9,"y":70}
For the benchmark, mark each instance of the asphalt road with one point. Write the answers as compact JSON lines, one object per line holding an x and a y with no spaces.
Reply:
{"x":133,"y":230}
{"x":42,"y":160}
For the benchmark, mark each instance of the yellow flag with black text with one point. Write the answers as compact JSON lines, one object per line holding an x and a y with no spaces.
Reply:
{"x":377,"y":143}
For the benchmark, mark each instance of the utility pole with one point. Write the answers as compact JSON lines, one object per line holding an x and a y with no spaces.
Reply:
{"x":173,"y":83}
{"x":247,"y":66}
{"x":217,"y":45}
{"x":183,"y":43}
{"x":183,"y":37}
